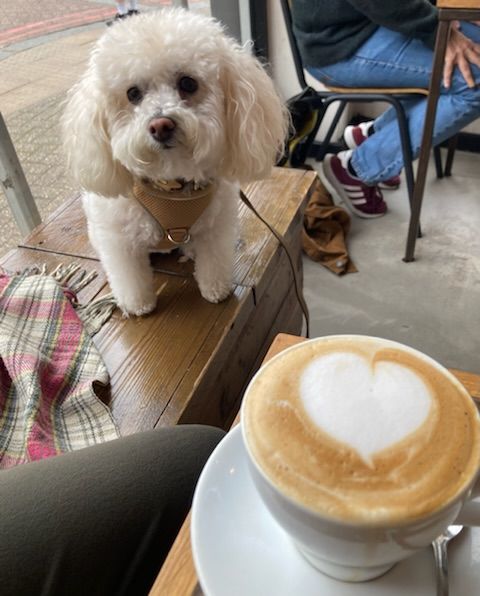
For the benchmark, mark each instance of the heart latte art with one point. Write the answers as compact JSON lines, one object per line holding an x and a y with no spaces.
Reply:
{"x":362,"y":429}
{"x":367,"y":408}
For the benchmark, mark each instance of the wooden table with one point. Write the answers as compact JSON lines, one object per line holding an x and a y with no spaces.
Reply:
{"x":177,"y":576}
{"x":190,"y":360}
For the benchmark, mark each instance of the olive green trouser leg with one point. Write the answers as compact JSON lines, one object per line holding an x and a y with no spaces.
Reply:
{"x":100,"y":520}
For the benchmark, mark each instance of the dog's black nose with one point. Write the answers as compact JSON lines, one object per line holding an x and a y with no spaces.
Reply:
{"x":161,"y":129}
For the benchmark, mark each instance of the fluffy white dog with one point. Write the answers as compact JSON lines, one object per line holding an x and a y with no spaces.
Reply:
{"x":169,"y":109}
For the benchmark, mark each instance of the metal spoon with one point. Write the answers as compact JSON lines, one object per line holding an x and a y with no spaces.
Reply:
{"x":439,"y":546}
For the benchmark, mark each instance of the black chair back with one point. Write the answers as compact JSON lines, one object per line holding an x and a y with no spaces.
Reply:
{"x":287,"y":17}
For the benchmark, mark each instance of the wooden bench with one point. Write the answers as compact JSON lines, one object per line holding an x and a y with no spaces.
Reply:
{"x":190,"y":360}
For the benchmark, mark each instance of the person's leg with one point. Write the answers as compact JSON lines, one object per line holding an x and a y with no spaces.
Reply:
{"x":100,"y":520}
{"x":364,"y":200}
{"x":355,"y":135}
{"x":389,"y":116}
{"x":121,"y":8}
{"x":391,"y":59}
{"x":386,"y":117}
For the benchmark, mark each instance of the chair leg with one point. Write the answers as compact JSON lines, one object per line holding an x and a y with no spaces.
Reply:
{"x":432,"y":100}
{"x":437,"y":154}
{"x":323,"y":148}
{"x":406,"y":151}
{"x":452,"y":145}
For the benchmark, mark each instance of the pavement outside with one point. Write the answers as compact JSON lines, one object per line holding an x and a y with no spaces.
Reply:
{"x":44,"y":48}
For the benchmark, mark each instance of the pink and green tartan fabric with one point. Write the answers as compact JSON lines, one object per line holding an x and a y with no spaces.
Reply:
{"x":48,"y":365}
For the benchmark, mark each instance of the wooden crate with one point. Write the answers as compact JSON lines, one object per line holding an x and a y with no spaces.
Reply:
{"x":189,"y":360}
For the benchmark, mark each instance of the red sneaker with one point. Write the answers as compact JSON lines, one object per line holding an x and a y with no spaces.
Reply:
{"x":362,"y":200}
{"x":391,"y":184}
{"x":354,"y":136}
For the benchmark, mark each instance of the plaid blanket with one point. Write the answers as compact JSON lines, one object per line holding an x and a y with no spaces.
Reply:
{"x":48,"y":367}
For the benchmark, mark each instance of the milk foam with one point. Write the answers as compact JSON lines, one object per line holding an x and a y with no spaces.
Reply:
{"x":368,"y":406}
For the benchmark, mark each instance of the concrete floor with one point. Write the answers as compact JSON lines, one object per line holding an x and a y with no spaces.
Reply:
{"x":433,"y":303}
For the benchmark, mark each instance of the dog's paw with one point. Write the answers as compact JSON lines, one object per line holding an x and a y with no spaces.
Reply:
{"x":137,"y":305}
{"x":216,"y":292}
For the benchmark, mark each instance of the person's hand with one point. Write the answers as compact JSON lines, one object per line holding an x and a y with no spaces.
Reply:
{"x":461,"y":52}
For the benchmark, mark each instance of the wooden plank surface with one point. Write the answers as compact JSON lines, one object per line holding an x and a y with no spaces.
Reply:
{"x":234,"y":359}
{"x":243,"y":355}
{"x":149,"y":359}
{"x":458,"y":4}
{"x":189,"y":360}
{"x":281,"y":203}
{"x":146,"y":372}
{"x":177,"y":576}
{"x":279,"y":199}
{"x":19,"y":259}
{"x":201,"y":377}
{"x":65,"y":231}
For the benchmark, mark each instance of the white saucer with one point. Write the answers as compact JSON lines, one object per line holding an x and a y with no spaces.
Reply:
{"x":239,"y":549}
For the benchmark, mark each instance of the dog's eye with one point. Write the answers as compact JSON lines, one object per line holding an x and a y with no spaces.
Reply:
{"x":134,"y":95}
{"x":187,"y":85}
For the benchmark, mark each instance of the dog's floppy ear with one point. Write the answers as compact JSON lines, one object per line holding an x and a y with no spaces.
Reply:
{"x":257,"y":120}
{"x":87,"y":141}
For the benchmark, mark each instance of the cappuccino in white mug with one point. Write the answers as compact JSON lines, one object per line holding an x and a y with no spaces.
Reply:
{"x":362,"y":430}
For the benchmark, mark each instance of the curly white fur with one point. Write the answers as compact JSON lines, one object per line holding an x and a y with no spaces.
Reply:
{"x":230,"y":128}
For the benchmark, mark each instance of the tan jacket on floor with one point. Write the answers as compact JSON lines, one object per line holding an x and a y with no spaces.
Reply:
{"x":325,"y":229}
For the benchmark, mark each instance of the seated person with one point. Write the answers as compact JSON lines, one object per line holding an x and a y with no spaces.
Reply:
{"x":100,"y":520}
{"x":386,"y":43}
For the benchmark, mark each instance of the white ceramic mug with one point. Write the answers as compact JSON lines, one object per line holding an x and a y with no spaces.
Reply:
{"x":359,"y":550}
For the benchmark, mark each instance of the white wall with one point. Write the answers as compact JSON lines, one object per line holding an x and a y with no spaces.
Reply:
{"x":282,"y":66}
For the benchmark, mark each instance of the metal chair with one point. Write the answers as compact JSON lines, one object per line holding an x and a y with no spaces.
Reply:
{"x":320,"y":100}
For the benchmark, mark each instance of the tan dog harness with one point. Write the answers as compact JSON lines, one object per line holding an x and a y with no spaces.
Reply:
{"x":175,"y":205}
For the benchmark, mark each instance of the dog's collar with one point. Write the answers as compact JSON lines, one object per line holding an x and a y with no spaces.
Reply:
{"x":175,"y":205}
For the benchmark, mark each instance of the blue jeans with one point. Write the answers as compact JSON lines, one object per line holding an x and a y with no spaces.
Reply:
{"x":390,"y":59}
